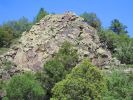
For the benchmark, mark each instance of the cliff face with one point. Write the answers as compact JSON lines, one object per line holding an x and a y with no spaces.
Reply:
{"x":45,"y":38}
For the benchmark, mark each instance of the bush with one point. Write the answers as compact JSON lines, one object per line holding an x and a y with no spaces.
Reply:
{"x":85,"y":82}
{"x":53,"y":72}
{"x":120,"y":86}
{"x":124,"y":50}
{"x":67,"y":55}
{"x":120,"y":45}
{"x":24,"y":87}
{"x":7,"y":64}
{"x":6,"y":36}
{"x":5,"y":98}
{"x":108,"y":38}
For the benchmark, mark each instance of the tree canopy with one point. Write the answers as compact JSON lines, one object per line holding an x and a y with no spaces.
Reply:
{"x":42,"y":13}
{"x":118,"y":27}
{"x":92,"y":19}
{"x":85,"y":82}
{"x":24,"y":87}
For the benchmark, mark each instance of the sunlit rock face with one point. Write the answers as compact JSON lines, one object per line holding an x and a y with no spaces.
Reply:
{"x":45,"y":38}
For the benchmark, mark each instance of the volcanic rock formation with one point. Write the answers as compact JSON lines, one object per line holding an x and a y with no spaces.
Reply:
{"x":46,"y":37}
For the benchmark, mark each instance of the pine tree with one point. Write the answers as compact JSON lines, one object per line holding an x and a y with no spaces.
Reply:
{"x":42,"y":13}
{"x":118,"y":27}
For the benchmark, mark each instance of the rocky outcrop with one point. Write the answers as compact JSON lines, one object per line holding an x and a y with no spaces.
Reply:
{"x":45,"y":38}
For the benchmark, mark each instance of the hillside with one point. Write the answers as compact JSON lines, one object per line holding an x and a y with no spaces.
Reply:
{"x":62,"y":57}
{"x":44,"y":39}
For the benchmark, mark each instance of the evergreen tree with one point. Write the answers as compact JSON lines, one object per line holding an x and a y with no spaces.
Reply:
{"x":118,"y":27}
{"x":42,"y":13}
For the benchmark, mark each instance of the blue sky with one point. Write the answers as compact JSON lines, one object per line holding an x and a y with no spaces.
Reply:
{"x":106,"y":10}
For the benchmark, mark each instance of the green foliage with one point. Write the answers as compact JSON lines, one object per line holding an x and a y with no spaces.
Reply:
{"x":53,"y":72}
{"x":92,"y":19}
{"x":124,"y":50}
{"x":24,"y":87}
{"x":5,"y":98}
{"x":2,"y":88}
{"x":108,"y":38}
{"x":13,"y":29}
{"x":19,"y":26}
{"x":120,"y":45}
{"x":7,"y":64}
{"x":5,"y":36}
{"x":129,"y":66}
{"x":42,"y":13}
{"x":118,"y":27}
{"x":67,"y":55}
{"x":3,"y":50}
{"x":85,"y":82}
{"x":120,"y":86}
{"x":56,"y":69}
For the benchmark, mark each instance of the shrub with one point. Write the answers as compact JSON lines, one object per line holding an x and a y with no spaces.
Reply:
{"x":120,"y":86}
{"x":7,"y":64}
{"x":85,"y":82}
{"x":120,"y":45}
{"x":5,"y":98}
{"x":6,"y":36}
{"x":108,"y":38}
{"x":124,"y":50}
{"x":56,"y":69}
{"x":67,"y":55}
{"x":53,"y":72}
{"x":24,"y":87}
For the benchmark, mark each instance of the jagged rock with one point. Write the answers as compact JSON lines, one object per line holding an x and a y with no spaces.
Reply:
{"x":44,"y":39}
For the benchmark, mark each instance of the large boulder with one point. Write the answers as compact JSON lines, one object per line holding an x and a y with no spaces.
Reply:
{"x":46,"y":37}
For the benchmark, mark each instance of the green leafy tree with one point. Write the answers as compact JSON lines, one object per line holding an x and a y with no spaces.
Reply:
{"x":85,"y":82}
{"x":42,"y":13}
{"x":19,"y":26}
{"x":124,"y":50}
{"x":67,"y":55}
{"x":120,"y":45}
{"x":92,"y":19}
{"x":6,"y":36}
{"x":53,"y":72}
{"x":108,"y":39}
{"x":118,"y":27}
{"x":56,"y":69}
{"x":24,"y":87}
{"x":120,"y":86}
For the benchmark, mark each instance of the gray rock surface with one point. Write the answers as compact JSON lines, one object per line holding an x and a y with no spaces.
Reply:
{"x":45,"y":38}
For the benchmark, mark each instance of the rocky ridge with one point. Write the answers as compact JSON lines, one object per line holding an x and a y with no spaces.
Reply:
{"x":46,"y":37}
